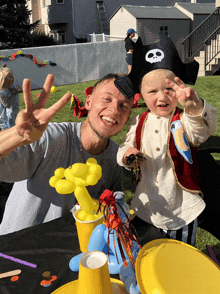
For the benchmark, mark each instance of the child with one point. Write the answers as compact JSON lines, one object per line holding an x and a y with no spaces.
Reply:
{"x":9,"y":99}
{"x":168,"y":194}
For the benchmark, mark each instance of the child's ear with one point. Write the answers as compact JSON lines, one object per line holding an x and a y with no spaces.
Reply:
{"x":88,"y":102}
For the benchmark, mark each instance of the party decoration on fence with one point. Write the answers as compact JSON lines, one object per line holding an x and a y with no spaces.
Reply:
{"x":75,"y":179}
{"x":30,"y":56}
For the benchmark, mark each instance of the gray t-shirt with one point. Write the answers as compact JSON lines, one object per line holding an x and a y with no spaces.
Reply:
{"x":32,"y":200}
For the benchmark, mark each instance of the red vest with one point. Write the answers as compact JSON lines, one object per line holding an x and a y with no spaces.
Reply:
{"x":186,"y":174}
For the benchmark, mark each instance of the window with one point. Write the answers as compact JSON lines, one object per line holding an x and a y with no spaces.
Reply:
{"x":164,"y":30}
{"x":62,"y":38}
{"x":52,"y":35}
{"x":46,"y":3}
{"x":60,"y":1}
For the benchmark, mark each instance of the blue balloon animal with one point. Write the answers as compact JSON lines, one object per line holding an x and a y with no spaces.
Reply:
{"x":98,"y":242}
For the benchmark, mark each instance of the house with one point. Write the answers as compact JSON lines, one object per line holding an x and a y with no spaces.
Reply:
{"x":71,"y":21}
{"x":176,"y":21}
{"x":148,"y":21}
{"x":197,"y":12}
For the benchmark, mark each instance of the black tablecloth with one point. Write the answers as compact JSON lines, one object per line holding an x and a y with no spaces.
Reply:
{"x":51,"y":246}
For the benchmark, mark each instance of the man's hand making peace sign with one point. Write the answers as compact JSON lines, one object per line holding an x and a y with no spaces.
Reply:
{"x":32,"y":121}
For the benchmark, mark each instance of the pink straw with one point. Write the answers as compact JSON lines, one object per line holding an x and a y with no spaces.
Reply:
{"x":18,"y":260}
{"x":212,"y":254}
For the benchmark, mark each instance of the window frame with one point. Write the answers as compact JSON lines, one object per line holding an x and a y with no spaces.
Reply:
{"x":61,"y":2}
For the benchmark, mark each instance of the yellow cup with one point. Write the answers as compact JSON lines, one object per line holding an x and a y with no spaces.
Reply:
{"x":85,"y":229}
{"x":94,"y":275}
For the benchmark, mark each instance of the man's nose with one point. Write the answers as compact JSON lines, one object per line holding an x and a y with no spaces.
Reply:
{"x":114,"y":107}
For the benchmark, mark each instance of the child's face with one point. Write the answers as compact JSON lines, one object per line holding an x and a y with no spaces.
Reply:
{"x":9,"y":79}
{"x":152,"y":90}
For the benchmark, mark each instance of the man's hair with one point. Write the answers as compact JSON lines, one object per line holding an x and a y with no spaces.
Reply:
{"x":108,"y":77}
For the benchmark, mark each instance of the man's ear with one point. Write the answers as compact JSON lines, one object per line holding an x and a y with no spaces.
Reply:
{"x":88,"y":102}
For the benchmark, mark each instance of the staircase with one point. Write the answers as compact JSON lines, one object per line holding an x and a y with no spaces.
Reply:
{"x":209,"y":58}
{"x":203,"y":45}
{"x":103,"y":20}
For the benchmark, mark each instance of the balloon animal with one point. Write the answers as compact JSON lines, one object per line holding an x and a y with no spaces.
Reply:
{"x":101,"y":239}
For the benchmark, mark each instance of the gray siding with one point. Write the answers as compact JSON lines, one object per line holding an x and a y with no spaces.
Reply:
{"x":148,"y":30}
{"x":198,"y":19}
{"x":86,"y":16}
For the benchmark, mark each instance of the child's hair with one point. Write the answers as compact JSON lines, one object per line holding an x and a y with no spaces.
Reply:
{"x":3,"y":74}
{"x":166,"y":72}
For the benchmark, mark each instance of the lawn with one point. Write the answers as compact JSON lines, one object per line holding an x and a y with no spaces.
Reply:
{"x":207,"y":88}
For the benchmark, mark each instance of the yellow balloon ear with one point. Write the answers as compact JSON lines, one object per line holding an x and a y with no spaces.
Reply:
{"x":79,"y":169}
{"x":53,"y":180}
{"x":59,"y":172}
{"x":91,"y":180}
{"x":68,"y":175}
{"x":91,"y":161}
{"x":65,"y":187}
{"x":95,"y":169}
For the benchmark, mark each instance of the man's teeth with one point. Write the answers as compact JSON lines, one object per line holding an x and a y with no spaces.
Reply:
{"x":164,"y":105}
{"x":108,"y":119}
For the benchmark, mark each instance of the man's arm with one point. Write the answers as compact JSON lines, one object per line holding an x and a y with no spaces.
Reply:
{"x":32,"y":121}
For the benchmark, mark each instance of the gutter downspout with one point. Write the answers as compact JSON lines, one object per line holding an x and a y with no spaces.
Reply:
{"x":73,"y":16}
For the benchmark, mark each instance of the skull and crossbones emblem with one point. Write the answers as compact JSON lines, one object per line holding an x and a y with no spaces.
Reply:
{"x":154,"y":55}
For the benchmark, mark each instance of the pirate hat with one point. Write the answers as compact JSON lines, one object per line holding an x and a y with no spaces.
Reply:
{"x":162,"y":54}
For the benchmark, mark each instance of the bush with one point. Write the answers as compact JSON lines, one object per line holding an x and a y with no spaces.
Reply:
{"x":39,"y":39}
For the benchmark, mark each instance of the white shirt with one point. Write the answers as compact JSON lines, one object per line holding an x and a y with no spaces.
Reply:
{"x":158,"y":199}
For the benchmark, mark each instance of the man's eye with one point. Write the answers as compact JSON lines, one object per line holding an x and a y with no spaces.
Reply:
{"x":169,"y":89}
{"x":124,"y":106}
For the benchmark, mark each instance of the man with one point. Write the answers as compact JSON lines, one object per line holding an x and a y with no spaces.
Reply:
{"x":32,"y":150}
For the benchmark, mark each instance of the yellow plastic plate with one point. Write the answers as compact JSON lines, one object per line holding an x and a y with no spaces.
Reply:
{"x":117,"y":288}
{"x":169,"y":266}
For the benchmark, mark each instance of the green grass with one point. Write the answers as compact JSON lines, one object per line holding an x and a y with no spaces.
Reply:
{"x":207,"y":88}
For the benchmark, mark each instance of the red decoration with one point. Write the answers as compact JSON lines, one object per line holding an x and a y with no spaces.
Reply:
{"x":114,"y":222}
{"x":78,"y":109}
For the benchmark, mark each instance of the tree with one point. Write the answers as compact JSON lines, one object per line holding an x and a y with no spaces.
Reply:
{"x":15,"y":29}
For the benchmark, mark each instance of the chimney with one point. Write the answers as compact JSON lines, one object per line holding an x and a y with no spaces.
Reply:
{"x":217,"y":3}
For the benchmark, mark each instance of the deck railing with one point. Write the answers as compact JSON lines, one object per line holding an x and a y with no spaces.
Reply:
{"x":194,"y":42}
{"x":212,"y":46}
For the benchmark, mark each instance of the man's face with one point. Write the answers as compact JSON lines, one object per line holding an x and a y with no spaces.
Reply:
{"x":108,"y":109}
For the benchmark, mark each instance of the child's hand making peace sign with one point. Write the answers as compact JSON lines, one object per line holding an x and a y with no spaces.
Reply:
{"x":186,"y":96}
